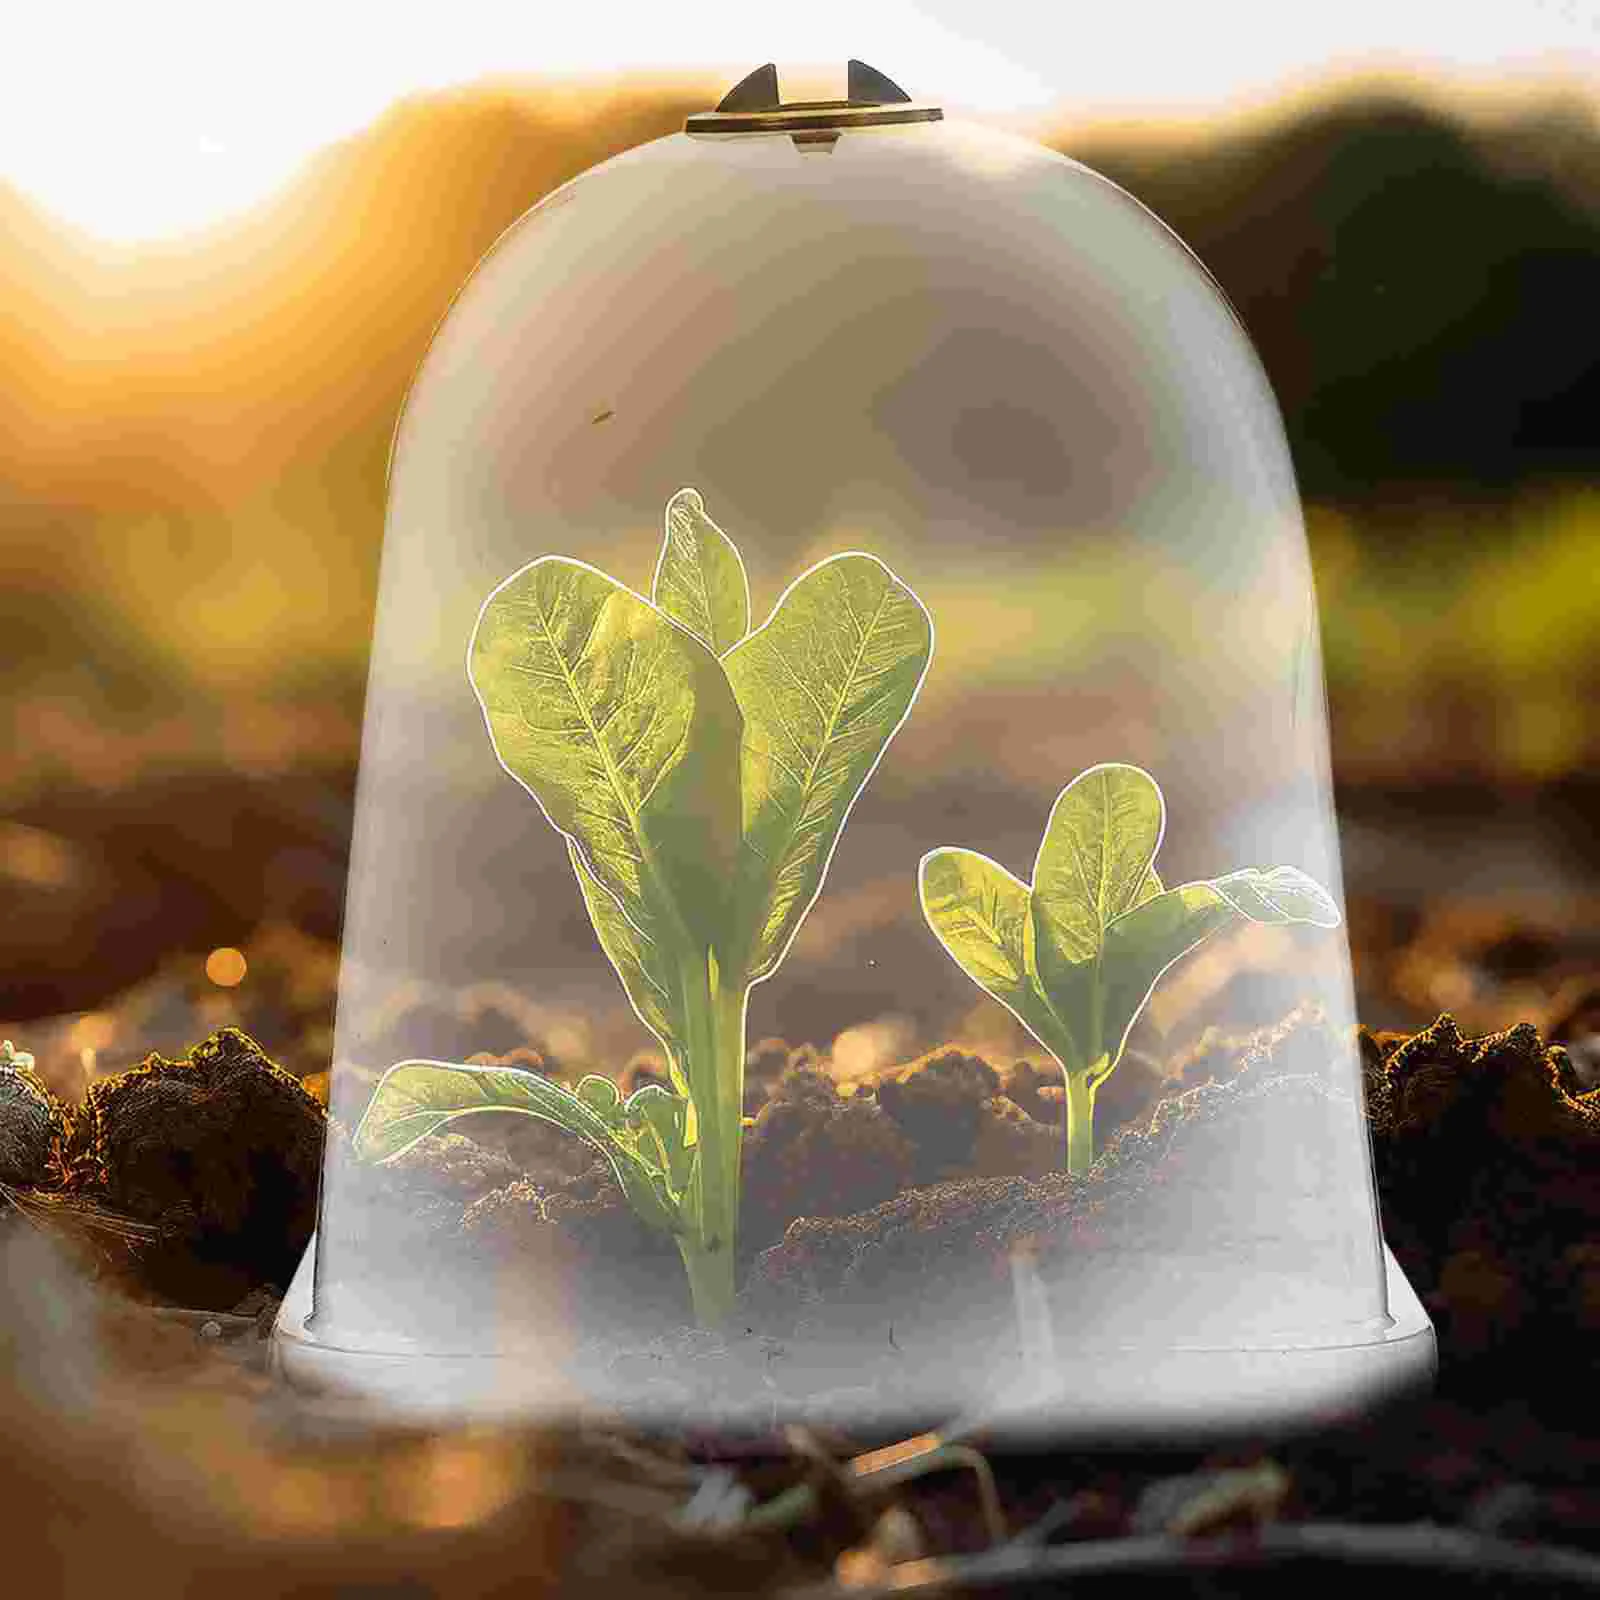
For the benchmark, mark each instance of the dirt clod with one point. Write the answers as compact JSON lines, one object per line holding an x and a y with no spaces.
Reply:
{"x":767,"y":1063}
{"x":938,"y":1101}
{"x":814,"y":1153}
{"x":31,"y":1124}
{"x":220,"y":1151}
{"x":1486,"y":1151}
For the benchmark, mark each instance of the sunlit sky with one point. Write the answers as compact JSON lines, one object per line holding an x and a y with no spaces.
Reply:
{"x":139,"y":119}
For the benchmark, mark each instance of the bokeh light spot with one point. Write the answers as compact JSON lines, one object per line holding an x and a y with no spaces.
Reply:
{"x":226,"y":967}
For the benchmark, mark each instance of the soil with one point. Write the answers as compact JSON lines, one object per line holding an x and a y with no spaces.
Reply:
{"x":31,"y":1127}
{"x":162,"y":1447}
{"x":1488,"y":1161}
{"x":195,"y":1179}
{"x":912,"y":1187}
{"x":920,"y":1180}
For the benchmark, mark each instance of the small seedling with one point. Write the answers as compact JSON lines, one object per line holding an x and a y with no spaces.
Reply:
{"x":701,"y":774}
{"x":1075,"y":955}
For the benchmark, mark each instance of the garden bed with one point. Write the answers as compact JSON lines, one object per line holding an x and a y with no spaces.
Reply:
{"x":1485,"y":1150}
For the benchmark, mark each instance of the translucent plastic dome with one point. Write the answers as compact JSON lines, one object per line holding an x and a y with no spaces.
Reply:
{"x":844,"y":585}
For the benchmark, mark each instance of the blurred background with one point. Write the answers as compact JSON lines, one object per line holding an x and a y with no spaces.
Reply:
{"x":222,"y":254}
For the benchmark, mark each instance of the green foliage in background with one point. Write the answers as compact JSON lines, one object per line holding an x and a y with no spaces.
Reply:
{"x":701,"y":775}
{"x":1075,"y":955}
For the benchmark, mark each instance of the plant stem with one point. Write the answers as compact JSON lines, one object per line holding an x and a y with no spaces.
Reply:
{"x":715,"y":1012}
{"x":1080,"y":1121}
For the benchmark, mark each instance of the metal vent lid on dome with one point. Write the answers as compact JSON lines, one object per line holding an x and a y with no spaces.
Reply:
{"x":753,"y":106}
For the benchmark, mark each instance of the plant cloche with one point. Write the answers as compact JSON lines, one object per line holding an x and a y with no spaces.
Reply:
{"x":843,"y":919}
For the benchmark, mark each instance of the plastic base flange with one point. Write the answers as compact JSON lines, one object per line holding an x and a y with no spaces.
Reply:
{"x":1124,"y":1392}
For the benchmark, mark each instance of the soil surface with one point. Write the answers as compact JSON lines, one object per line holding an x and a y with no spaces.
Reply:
{"x":197,"y":1179}
{"x":175,"y":1200}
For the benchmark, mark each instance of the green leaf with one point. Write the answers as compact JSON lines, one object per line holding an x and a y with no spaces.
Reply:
{"x":1076,"y":955}
{"x":663,"y":1118}
{"x":1141,"y":944}
{"x":644,"y":966}
{"x":700,"y":579}
{"x":1150,"y":888}
{"x":1093,"y":863}
{"x":823,"y":684}
{"x":626,"y":732}
{"x":1279,"y":895}
{"x":979,"y":913}
{"x":416,"y":1098}
{"x":602,"y":1097}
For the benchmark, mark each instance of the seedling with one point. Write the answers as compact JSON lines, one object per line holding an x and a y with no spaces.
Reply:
{"x":1075,"y":955}
{"x":701,"y":775}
